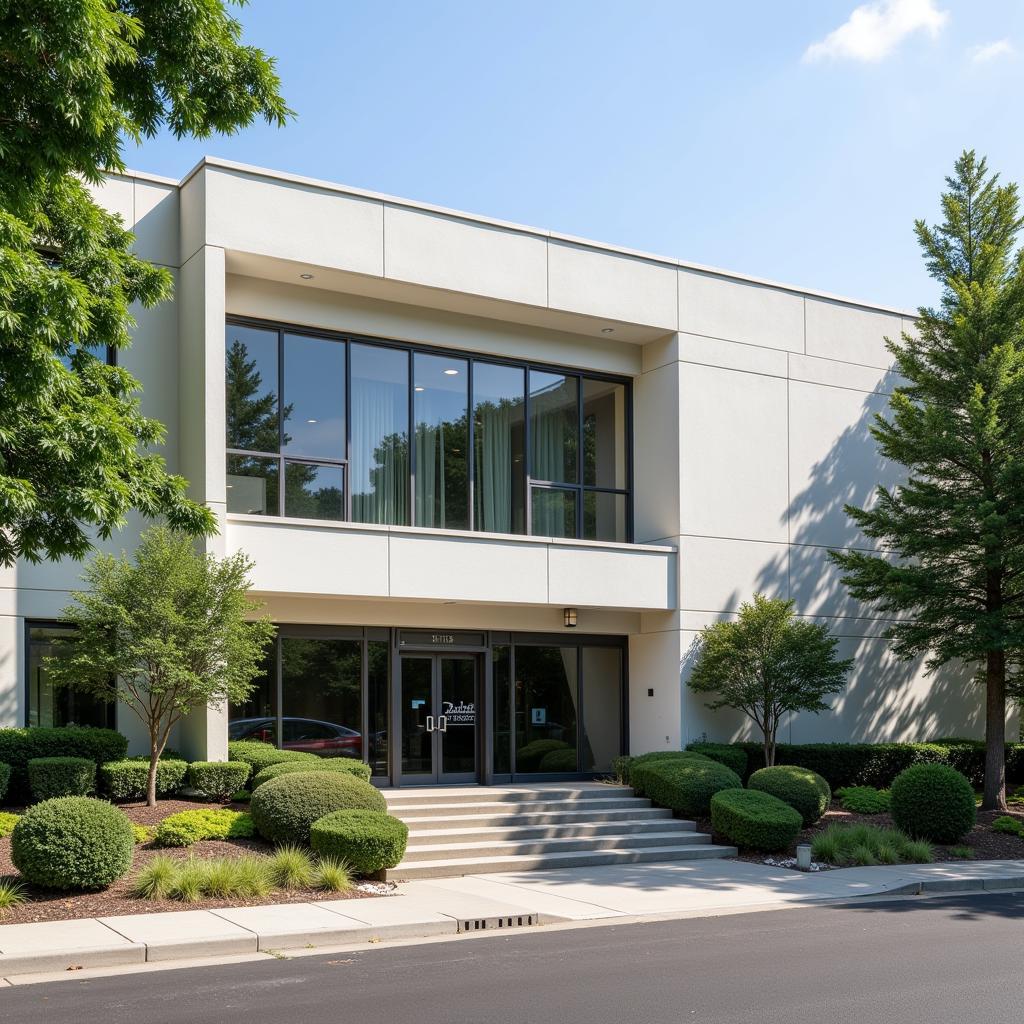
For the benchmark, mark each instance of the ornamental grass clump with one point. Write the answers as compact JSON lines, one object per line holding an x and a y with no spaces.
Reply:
{"x":864,"y":845}
{"x":12,"y":894}
{"x":291,"y":867}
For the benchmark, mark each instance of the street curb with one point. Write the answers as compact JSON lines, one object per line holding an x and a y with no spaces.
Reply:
{"x":211,"y":950}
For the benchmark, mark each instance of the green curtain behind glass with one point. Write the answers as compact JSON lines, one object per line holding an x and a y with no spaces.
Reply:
{"x":379,"y":416}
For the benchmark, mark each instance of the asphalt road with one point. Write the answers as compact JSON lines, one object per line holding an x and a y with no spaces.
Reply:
{"x":945,"y":961}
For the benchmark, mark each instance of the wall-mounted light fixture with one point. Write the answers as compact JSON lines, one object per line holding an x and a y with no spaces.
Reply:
{"x":570,"y":618}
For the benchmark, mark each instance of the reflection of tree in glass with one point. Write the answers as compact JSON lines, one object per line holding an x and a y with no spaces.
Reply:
{"x":251,"y":417}
{"x":252,"y":425}
{"x":322,"y":679}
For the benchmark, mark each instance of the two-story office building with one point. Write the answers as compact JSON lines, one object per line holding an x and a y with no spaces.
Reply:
{"x":493,"y":480}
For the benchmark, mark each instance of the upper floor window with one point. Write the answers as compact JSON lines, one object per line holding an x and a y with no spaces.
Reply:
{"x":328,"y":427}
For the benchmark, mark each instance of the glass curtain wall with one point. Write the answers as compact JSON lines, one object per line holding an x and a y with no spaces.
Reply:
{"x":499,"y":413}
{"x":338,"y":429}
{"x":311,"y":697}
{"x":568,"y":708}
{"x":441,"y":406}
{"x":58,"y":706}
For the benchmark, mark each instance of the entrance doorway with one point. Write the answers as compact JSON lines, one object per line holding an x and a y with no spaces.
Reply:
{"x":439,"y":700}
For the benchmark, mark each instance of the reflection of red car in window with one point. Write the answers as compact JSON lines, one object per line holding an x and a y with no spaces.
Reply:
{"x":327,"y":739}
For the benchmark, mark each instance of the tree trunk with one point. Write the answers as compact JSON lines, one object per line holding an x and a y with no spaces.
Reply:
{"x":154,"y":760}
{"x":994,"y":798}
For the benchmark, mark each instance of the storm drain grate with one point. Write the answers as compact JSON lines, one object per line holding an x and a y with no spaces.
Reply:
{"x":479,"y":924}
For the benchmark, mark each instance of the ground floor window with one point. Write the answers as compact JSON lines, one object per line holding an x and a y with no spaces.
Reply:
{"x":46,"y":704}
{"x":424,"y":706}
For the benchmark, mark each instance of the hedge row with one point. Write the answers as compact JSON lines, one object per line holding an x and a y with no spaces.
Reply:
{"x":871,"y":764}
{"x":19,"y":746}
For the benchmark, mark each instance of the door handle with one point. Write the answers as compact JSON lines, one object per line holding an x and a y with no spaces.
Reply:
{"x":442,"y":723}
{"x":430,"y":723}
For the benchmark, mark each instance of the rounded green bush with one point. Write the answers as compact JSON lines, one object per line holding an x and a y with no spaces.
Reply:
{"x":753,"y":819}
{"x":127,"y":779}
{"x":368,"y":841}
{"x":284,"y":808}
{"x":683,"y":784}
{"x":217,"y":779}
{"x":346,"y":765}
{"x":5,"y":779}
{"x":529,"y":756}
{"x":72,"y":842}
{"x":680,"y":756}
{"x":50,"y":777}
{"x":805,"y":791}
{"x":259,"y":755}
{"x":933,"y":802}
{"x":559,"y":761}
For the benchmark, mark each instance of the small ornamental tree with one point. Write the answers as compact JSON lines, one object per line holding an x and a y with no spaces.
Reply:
{"x":767,"y":663}
{"x":950,"y":572}
{"x":165,"y":632}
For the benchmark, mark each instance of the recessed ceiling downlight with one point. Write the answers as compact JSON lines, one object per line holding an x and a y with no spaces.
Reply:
{"x":306,"y":277}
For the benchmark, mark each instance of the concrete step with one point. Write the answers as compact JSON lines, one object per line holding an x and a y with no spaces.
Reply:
{"x":563,"y":844}
{"x":443,"y":810}
{"x":631,"y":826}
{"x":543,"y":818}
{"x":488,"y":794}
{"x":452,"y":867}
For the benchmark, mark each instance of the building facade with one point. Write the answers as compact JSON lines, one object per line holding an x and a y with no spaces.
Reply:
{"x":493,"y":480}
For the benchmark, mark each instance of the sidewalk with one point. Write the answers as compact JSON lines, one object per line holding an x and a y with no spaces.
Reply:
{"x":474,"y":903}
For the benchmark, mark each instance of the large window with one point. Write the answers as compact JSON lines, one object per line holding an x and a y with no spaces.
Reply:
{"x":322,"y":691}
{"x":331,"y":427}
{"x":56,"y":706}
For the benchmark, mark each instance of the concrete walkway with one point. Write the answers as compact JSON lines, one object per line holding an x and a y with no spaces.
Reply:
{"x":474,"y":903}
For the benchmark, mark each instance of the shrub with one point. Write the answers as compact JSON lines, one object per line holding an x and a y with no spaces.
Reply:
{"x":684,"y":785}
{"x":19,"y":746}
{"x":620,"y":768}
{"x":188,"y":827}
{"x":142,"y":834}
{"x":49,"y":777}
{"x":335,"y":764}
{"x":8,"y":820}
{"x":72,"y":842}
{"x":559,"y":761}
{"x":259,"y":755}
{"x":5,"y":779}
{"x":216,"y":779}
{"x":863,"y":845}
{"x":678,"y":756}
{"x":805,"y":791}
{"x":284,"y":808}
{"x":529,"y":756}
{"x":754,"y":819}
{"x":725,"y":753}
{"x":864,"y":799}
{"x":1009,"y":826}
{"x":933,"y":802}
{"x":126,"y":779}
{"x":368,"y":841}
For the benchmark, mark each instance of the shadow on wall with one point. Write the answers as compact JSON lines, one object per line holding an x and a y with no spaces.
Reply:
{"x":885,"y":698}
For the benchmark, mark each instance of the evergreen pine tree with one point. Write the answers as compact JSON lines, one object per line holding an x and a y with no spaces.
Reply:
{"x":951,"y":561}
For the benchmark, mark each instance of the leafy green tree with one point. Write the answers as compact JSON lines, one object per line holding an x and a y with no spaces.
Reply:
{"x":77,"y":79}
{"x":952,"y":571}
{"x":165,"y":632}
{"x":767,"y":664}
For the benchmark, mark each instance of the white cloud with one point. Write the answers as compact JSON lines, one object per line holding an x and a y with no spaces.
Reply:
{"x":990,"y":51}
{"x":874,"y":30}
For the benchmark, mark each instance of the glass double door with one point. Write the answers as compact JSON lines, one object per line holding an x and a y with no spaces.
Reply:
{"x":439,"y":719}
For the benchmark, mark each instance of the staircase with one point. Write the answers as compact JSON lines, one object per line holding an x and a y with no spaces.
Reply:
{"x":473,"y":830}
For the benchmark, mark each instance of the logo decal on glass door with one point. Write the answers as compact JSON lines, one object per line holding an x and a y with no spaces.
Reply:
{"x":460,"y":714}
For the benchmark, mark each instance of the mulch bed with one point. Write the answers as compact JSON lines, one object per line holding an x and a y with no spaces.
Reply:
{"x":46,"y":905}
{"x":986,"y":844}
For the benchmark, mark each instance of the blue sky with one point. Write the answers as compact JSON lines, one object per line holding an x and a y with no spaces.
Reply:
{"x":795,"y":140}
